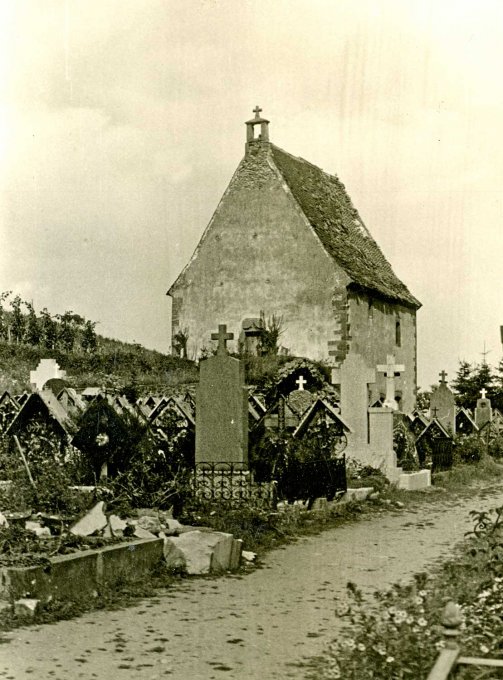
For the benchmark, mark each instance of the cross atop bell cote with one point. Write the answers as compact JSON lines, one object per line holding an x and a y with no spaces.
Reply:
{"x":250,"y":128}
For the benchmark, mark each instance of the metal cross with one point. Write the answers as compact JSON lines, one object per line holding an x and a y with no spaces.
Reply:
{"x":222,"y":336}
{"x":301,"y":381}
{"x":443,"y":376}
{"x":257,"y":111}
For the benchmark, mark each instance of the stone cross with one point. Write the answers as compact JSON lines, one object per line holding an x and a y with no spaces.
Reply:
{"x":222,"y":336}
{"x":390,"y":370}
{"x":47,"y":369}
{"x":443,"y":376}
{"x":257,"y":111}
{"x":301,"y":381}
{"x":483,"y":393}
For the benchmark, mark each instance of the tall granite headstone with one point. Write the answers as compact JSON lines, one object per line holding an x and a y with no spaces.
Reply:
{"x":483,"y":411}
{"x":221,"y":407}
{"x":443,"y":405}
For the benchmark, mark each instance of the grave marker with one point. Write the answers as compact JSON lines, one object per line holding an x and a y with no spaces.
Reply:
{"x":221,"y":407}
{"x":47,"y":369}
{"x":483,"y":411}
{"x":391,"y":371}
{"x":443,"y":405}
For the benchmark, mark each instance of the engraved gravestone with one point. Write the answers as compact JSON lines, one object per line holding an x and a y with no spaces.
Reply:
{"x":443,"y":405}
{"x":221,"y":407}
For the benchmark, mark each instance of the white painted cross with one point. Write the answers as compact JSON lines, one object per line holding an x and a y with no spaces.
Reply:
{"x":483,"y":393}
{"x":46,"y":370}
{"x":301,"y":381}
{"x":390,"y":370}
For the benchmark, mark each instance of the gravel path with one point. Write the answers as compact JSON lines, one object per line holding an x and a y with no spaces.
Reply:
{"x":257,"y":626}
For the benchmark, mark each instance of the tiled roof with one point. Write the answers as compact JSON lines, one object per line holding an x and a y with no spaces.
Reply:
{"x":325,"y":203}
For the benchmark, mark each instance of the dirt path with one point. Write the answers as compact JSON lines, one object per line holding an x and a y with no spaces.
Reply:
{"x":255,"y":627}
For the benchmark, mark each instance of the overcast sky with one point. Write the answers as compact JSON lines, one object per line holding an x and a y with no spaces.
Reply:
{"x":122,"y":123}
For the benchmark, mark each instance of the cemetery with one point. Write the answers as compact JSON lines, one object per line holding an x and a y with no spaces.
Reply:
{"x":96,"y":487}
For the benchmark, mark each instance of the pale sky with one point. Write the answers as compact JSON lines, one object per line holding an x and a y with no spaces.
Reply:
{"x":122,"y":123}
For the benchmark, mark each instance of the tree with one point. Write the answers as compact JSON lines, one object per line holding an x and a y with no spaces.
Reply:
{"x":4,"y":332}
{"x":18,"y":320}
{"x":180,"y":341}
{"x":471,"y":380}
{"x":33,"y":330}
{"x":49,"y":329}
{"x":269,"y":335}
{"x":67,"y":330}
{"x":88,"y":340}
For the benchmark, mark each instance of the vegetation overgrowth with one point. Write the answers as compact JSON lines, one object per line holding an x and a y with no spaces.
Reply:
{"x":400,"y":634}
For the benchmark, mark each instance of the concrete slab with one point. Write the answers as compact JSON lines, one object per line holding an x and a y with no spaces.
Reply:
{"x":80,"y":575}
{"x":415,"y":481}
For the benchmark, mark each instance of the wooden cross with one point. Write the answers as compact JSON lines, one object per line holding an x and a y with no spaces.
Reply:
{"x":222,"y":336}
{"x":483,"y":393}
{"x":301,"y":381}
{"x":390,"y":370}
{"x":257,"y":111}
{"x":443,"y":376}
{"x":435,"y":409}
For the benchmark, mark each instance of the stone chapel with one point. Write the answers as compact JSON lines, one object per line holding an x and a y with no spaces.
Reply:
{"x":285,"y":239}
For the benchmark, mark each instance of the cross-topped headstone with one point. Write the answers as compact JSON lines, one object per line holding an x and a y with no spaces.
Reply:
{"x":257,"y":111}
{"x":221,"y":407}
{"x":301,"y":381}
{"x":483,"y":393}
{"x":390,"y":370}
{"x":443,"y":376}
{"x":222,"y":336}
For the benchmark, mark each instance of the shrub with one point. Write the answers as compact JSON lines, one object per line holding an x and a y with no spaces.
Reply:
{"x":495,"y":448}
{"x":468,"y":449}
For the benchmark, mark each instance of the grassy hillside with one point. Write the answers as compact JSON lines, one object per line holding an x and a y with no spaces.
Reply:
{"x":114,"y":364}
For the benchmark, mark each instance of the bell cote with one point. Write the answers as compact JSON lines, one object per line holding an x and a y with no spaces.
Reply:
{"x":263,"y":133}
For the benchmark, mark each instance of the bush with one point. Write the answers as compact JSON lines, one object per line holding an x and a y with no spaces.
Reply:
{"x":468,"y":449}
{"x":399,"y":634}
{"x":495,"y":448}
{"x":361,"y":476}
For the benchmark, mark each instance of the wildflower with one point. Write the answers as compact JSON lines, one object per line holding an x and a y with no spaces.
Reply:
{"x":360,"y":647}
{"x":422,"y":622}
{"x":400,"y":616}
{"x":350,"y":644}
{"x":484,"y":649}
{"x":422,"y":593}
{"x":390,"y":659}
{"x":380,"y":650}
{"x":409,"y":620}
{"x":418,"y":600}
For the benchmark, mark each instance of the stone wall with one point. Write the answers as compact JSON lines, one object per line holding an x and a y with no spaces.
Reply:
{"x":372,"y":335}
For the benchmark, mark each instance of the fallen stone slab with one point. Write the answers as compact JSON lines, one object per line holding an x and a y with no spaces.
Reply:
{"x":26,"y":607}
{"x":203,"y":552}
{"x":95,"y":520}
{"x":249,"y":556}
{"x":150,"y":523}
{"x":172,"y":527}
{"x":116,"y":524}
{"x":37,"y":528}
